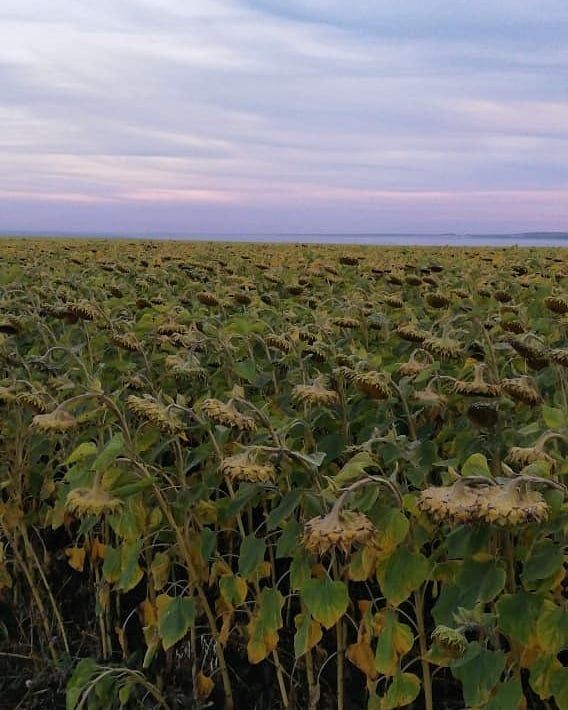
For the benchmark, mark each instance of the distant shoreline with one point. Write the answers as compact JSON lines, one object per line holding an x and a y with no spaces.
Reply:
{"x":521,"y":239}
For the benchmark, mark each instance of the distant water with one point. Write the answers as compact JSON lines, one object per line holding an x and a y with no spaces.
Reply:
{"x":456,"y":240}
{"x":527,"y":239}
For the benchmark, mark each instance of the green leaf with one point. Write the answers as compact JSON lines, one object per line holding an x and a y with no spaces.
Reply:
{"x":246,"y":370}
{"x":401,"y":573}
{"x":286,"y":507}
{"x":82,"y":675}
{"x":308,"y":634}
{"x":251,"y":555}
{"x":113,"y":448}
{"x":326,"y":600}
{"x":288,"y":541}
{"x":300,"y":572}
{"x":233,"y":589}
{"x":480,"y":582}
{"x":175,"y":616}
{"x":507,"y":697}
{"x":553,"y":417}
{"x":395,"y":639}
{"x":403,"y":690}
{"x":111,"y":564}
{"x":81,"y":452}
{"x":476,"y":465}
{"x":354,"y":469}
{"x":545,"y":559}
{"x":517,"y":614}
{"x":552,"y":627}
{"x":479,"y":671}
{"x":130,"y":571}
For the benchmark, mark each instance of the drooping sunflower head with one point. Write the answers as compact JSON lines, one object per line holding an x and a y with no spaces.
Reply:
{"x":246,"y":467}
{"x":342,"y":530}
{"x":478,"y":387}
{"x":513,"y":504}
{"x":556,"y":304}
{"x":374,"y":384}
{"x":444,"y":347}
{"x":150,"y":410}
{"x":522,"y":389}
{"x":208,"y":299}
{"x":450,"y":641}
{"x":225,"y":414}
{"x":57,"y":421}
{"x":411,"y":332}
{"x":92,"y":501}
{"x":457,"y":504}
{"x":126,"y":341}
{"x":437,"y":299}
{"x":316,"y":394}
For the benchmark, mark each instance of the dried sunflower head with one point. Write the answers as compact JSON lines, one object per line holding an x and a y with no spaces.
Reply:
{"x":82,"y":310}
{"x":559,"y":356}
{"x":513,"y":504}
{"x":457,"y":504}
{"x":208,"y":299}
{"x":244,"y":467}
{"x":316,"y":394}
{"x":411,"y":332}
{"x":337,"y":530}
{"x":92,"y":501}
{"x":556,"y":304}
{"x":33,"y":400}
{"x":59,"y":420}
{"x":185,"y":368}
{"x":450,"y":641}
{"x":227,"y":415}
{"x":522,"y":389}
{"x":278,"y":342}
{"x":478,"y":387}
{"x":437,"y":300}
{"x":414,"y":366}
{"x":346,"y":322}
{"x":150,"y":410}
{"x":394,"y":301}
{"x":171,"y":327}
{"x":374,"y":384}
{"x":444,"y":347}
{"x":126,"y":341}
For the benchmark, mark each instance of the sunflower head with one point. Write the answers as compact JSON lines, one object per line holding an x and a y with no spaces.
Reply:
{"x":513,"y":504}
{"x":411,"y":332}
{"x":522,"y":389}
{"x":444,"y":347}
{"x":437,"y":300}
{"x":477,"y":387}
{"x":150,"y":410}
{"x":450,"y":641}
{"x":245,"y":467}
{"x":59,"y":420}
{"x":126,"y":341}
{"x":373,"y":384}
{"x":208,"y":299}
{"x":337,"y":530}
{"x":317,"y":394}
{"x":92,"y":501}
{"x":225,"y":414}
{"x":556,"y":304}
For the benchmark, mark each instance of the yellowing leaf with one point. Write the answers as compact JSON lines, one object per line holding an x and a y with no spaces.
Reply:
{"x":203,"y":686}
{"x":308,"y":634}
{"x":160,"y":569}
{"x":361,"y":655}
{"x":76,"y":557}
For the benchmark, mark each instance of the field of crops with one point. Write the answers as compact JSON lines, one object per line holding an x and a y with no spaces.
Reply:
{"x":258,"y":476}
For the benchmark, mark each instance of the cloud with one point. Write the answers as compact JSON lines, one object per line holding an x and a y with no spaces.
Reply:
{"x":249,"y":112}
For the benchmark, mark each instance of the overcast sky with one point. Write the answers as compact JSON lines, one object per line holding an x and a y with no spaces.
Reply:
{"x":193,"y":116}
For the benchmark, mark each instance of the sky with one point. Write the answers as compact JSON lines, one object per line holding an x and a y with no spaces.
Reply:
{"x":267,"y":116}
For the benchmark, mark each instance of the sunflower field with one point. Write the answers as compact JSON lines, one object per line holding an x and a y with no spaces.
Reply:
{"x":253,"y":476}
